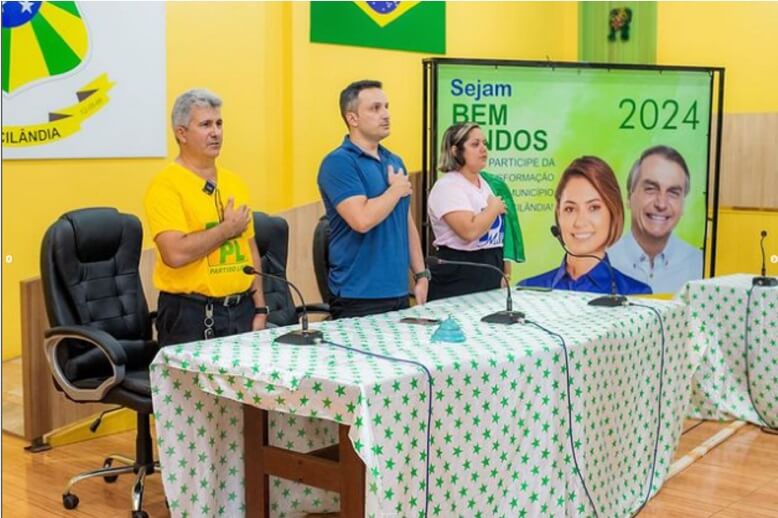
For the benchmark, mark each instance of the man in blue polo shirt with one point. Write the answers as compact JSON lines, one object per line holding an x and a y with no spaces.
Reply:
{"x":366,"y":192}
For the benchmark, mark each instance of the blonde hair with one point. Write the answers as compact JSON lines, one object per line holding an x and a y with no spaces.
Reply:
{"x":454,"y":137}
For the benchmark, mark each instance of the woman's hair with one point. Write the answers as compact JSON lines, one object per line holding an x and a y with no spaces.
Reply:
{"x":601,"y":176}
{"x":455,"y":136}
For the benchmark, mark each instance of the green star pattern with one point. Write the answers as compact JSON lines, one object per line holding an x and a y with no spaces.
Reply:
{"x":499,"y":444}
{"x":717,"y":317}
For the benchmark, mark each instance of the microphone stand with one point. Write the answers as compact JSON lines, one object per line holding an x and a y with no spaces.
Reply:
{"x":613,"y":300}
{"x":302,"y":336}
{"x":763,"y":280}
{"x":506,"y":317}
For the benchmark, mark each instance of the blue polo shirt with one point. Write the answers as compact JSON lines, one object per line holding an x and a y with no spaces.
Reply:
{"x":373,"y":265}
{"x":596,"y":280}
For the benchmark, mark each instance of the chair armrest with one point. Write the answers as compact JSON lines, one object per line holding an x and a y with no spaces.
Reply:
{"x":320,"y":307}
{"x":99,"y":339}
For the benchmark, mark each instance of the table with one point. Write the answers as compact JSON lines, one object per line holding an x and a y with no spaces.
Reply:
{"x":725,"y":311}
{"x":488,"y":437}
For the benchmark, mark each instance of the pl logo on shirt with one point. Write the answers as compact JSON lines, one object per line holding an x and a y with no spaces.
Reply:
{"x":496,"y":233}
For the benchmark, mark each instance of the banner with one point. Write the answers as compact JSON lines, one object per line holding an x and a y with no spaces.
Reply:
{"x":538,"y":119}
{"x":80,"y":81}
{"x":412,"y":26}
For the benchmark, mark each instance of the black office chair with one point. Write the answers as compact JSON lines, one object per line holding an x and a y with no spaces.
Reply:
{"x":321,"y":256}
{"x":100,"y":345}
{"x":271,"y":234}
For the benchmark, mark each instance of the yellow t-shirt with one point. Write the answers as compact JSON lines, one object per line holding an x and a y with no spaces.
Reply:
{"x":175,"y":201}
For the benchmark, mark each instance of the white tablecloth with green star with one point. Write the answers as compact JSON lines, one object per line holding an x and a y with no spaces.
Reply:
{"x":735,"y":381}
{"x":499,"y":443}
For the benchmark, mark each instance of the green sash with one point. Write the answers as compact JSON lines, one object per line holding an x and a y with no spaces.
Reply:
{"x":513,"y":245}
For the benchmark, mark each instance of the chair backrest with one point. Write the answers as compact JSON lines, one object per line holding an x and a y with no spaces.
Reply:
{"x":89,"y":273}
{"x":321,"y":257}
{"x":271,"y":234}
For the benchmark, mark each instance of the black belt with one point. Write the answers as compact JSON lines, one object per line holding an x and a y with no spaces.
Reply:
{"x":227,"y":301}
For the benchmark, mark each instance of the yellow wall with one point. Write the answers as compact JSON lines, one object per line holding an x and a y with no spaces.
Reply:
{"x":482,"y":29}
{"x":204,"y":43}
{"x":738,"y":241}
{"x":740,"y":36}
{"x":280,"y":111}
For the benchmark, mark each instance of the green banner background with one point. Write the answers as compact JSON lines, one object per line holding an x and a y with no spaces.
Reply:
{"x":538,"y":119}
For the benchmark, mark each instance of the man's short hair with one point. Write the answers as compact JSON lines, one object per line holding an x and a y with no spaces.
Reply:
{"x":182,"y":108}
{"x":668,"y":153}
{"x":349,"y":95}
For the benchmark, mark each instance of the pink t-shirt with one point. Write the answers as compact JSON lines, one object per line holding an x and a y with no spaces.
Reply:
{"x":453,"y":192}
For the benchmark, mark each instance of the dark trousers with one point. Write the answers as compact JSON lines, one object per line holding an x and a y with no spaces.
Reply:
{"x":181,"y":319}
{"x":451,"y":280}
{"x":347,"y":308}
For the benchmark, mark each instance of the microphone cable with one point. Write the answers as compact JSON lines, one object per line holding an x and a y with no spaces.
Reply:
{"x":767,"y":427}
{"x":578,"y":470}
{"x":429,"y":406}
{"x":659,"y":403}
{"x":570,"y":409}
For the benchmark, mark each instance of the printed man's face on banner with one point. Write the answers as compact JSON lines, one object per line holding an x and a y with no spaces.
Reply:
{"x":657,"y":198}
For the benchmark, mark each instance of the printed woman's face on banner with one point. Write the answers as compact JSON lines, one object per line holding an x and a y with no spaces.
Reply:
{"x":584,"y":219}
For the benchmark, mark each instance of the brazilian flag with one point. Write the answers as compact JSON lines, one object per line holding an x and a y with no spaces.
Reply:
{"x":413,"y":26}
{"x":40,"y":40}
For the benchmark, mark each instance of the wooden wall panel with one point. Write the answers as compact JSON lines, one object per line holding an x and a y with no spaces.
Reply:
{"x":749,"y":161}
{"x":299,"y":268}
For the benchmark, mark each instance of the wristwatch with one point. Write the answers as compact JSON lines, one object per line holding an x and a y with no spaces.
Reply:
{"x":262,"y":310}
{"x":424,"y":274}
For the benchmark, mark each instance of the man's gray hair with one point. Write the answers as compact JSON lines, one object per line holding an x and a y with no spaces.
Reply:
{"x":182,"y":108}
{"x":666,"y":152}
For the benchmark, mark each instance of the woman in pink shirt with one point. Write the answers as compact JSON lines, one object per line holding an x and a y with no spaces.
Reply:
{"x":467,"y":218}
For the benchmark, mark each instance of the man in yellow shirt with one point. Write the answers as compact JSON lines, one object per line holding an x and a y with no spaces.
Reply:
{"x":203,"y":233}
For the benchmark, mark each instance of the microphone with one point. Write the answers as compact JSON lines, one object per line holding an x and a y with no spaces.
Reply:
{"x":303,"y":336}
{"x":506,"y":317}
{"x":763,"y":280}
{"x":608,"y":301}
{"x":209,"y":187}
